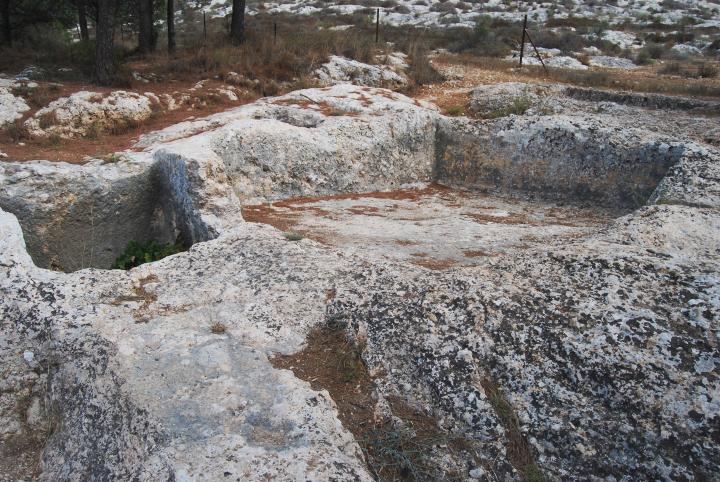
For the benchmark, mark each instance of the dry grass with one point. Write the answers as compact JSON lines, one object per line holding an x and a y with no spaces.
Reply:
{"x":693,"y":70}
{"x":519,"y":452}
{"x":276,"y":65}
{"x":218,"y":328}
{"x":647,"y":80}
{"x":301,"y":47}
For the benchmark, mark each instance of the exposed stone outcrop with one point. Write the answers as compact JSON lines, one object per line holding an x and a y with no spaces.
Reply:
{"x":601,"y":380}
{"x":345,"y":139}
{"x":654,"y":101}
{"x":499,"y":100}
{"x":611,"y":62}
{"x":171,"y":400}
{"x":340,"y":70}
{"x":83,"y":111}
{"x":313,"y":142}
{"x":562,"y":156}
{"x":81,"y":216}
{"x":603,"y":347}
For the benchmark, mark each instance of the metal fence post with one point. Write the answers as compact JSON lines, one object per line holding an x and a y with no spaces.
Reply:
{"x":522,"y":42}
{"x":377,"y":27}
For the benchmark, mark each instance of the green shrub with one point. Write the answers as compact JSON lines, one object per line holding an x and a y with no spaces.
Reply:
{"x":707,"y":70}
{"x":456,"y":110}
{"x":518,"y":107}
{"x":292,"y":236}
{"x":136,"y":254}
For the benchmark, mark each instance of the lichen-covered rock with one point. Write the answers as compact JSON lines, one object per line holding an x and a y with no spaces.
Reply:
{"x":603,"y":346}
{"x":340,"y":70}
{"x":692,"y":181}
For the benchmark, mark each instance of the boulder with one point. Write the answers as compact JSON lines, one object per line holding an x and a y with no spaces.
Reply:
{"x":88,"y":113}
{"x":611,"y":62}
{"x":12,"y":107}
{"x":340,"y":70}
{"x":499,"y":100}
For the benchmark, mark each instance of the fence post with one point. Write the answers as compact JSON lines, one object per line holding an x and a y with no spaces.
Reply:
{"x":204,"y":26}
{"x":522,"y":42}
{"x":536,"y":52}
{"x":377,"y":27}
{"x":274,"y":32}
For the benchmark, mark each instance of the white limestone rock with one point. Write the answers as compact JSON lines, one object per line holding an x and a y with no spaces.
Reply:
{"x":84,"y":111}
{"x":167,"y":398}
{"x":686,"y":50}
{"x":340,"y":70}
{"x":612,"y":62}
{"x":12,"y":107}
{"x":492,"y":99}
{"x":560,"y":62}
{"x":313,"y":142}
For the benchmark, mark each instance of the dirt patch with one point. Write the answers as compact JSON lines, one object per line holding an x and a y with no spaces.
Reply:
{"x":20,"y":457}
{"x":406,"y":242}
{"x":477,"y":253}
{"x":395,"y":449}
{"x":283,"y":220}
{"x":284,"y":214}
{"x":512,"y":218}
{"x":434,"y":264}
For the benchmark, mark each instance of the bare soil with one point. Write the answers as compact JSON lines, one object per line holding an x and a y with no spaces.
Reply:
{"x":434,"y":227}
{"x":393,"y":453}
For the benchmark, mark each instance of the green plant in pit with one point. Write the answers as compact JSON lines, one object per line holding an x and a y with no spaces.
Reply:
{"x":534,"y":474}
{"x":518,"y":107}
{"x":136,"y":254}
{"x":456,"y":110}
{"x":352,"y":366}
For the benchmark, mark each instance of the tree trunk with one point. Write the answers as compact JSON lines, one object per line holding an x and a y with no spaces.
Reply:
{"x":145,"y":16}
{"x":104,"y":45}
{"x":82,"y":18}
{"x":171,"y":26}
{"x":6,"y":34}
{"x":237,"y":26}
